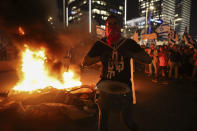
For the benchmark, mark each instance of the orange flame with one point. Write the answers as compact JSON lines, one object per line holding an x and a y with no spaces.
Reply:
{"x":35,"y":73}
{"x":21,"y":30}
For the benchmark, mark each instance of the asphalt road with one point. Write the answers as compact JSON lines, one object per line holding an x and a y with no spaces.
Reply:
{"x":171,"y":107}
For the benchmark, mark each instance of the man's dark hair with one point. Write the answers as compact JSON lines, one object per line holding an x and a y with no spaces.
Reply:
{"x":113,"y":16}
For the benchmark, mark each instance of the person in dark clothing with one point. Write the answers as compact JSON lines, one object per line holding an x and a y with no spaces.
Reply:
{"x":186,"y":66}
{"x":174,"y":62}
{"x":115,"y":53}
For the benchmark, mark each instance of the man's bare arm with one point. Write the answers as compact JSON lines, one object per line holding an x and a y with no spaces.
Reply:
{"x":90,"y":60}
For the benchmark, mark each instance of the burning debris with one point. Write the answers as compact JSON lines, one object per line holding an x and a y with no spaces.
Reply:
{"x":40,"y":90}
{"x":74,"y":104}
{"x":35,"y":73}
{"x":46,"y":88}
{"x":59,"y":106}
{"x":38,"y":94}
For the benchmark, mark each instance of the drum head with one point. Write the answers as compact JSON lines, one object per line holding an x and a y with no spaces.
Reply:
{"x":113,"y":87}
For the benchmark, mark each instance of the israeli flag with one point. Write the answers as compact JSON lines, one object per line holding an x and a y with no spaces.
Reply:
{"x":162,"y":30}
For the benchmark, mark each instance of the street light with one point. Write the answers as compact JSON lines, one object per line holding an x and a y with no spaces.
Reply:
{"x":147,"y":9}
{"x":50,"y":18}
{"x":178,"y":19}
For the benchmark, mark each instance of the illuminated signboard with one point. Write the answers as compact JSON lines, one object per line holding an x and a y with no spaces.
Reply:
{"x":157,"y":21}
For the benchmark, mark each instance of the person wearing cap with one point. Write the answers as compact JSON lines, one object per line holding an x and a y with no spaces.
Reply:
{"x":115,"y":52}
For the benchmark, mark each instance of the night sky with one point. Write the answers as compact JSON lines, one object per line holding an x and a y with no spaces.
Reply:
{"x":132,"y":9}
{"x":193,"y":23}
{"x":132,"y":12}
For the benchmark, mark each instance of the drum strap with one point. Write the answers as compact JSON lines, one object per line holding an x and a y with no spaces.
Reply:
{"x":115,"y":47}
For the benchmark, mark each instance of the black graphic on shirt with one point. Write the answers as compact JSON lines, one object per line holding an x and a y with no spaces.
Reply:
{"x":115,"y":64}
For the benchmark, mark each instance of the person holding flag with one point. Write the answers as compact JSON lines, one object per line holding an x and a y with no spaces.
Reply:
{"x":163,"y":30}
{"x":172,"y":37}
{"x":188,"y":39}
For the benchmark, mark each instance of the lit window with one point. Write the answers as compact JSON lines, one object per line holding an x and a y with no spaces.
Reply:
{"x":74,"y":7}
{"x":104,"y":17}
{"x":103,"y":3}
{"x":119,"y":12}
{"x":70,"y":18}
{"x":103,"y":26}
{"x":121,"y":7}
{"x":96,"y":11}
{"x":103,"y":12}
{"x":70,"y":1}
{"x":85,"y":1}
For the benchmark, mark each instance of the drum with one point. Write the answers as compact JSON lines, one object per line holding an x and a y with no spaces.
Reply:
{"x":114,"y":95}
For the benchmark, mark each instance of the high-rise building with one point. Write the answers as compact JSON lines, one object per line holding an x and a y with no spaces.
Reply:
{"x":183,"y":11}
{"x":145,"y":10}
{"x":168,"y":11}
{"x":174,"y":12}
{"x":96,"y":10}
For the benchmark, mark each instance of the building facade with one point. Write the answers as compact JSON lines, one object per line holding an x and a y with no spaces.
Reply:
{"x":139,"y":22}
{"x":174,"y":12}
{"x":93,"y":10}
{"x":144,"y":8}
{"x":136,"y":24}
{"x":183,"y":11}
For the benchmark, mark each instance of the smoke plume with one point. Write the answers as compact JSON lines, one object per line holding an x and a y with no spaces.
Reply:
{"x":32,"y":16}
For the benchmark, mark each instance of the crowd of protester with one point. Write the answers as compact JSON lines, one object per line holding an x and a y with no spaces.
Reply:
{"x":171,"y":62}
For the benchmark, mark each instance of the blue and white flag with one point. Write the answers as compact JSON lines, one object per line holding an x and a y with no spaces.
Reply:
{"x":163,"y":30}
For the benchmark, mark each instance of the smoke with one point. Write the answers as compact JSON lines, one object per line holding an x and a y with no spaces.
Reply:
{"x":26,"y":12}
{"x":32,"y":16}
